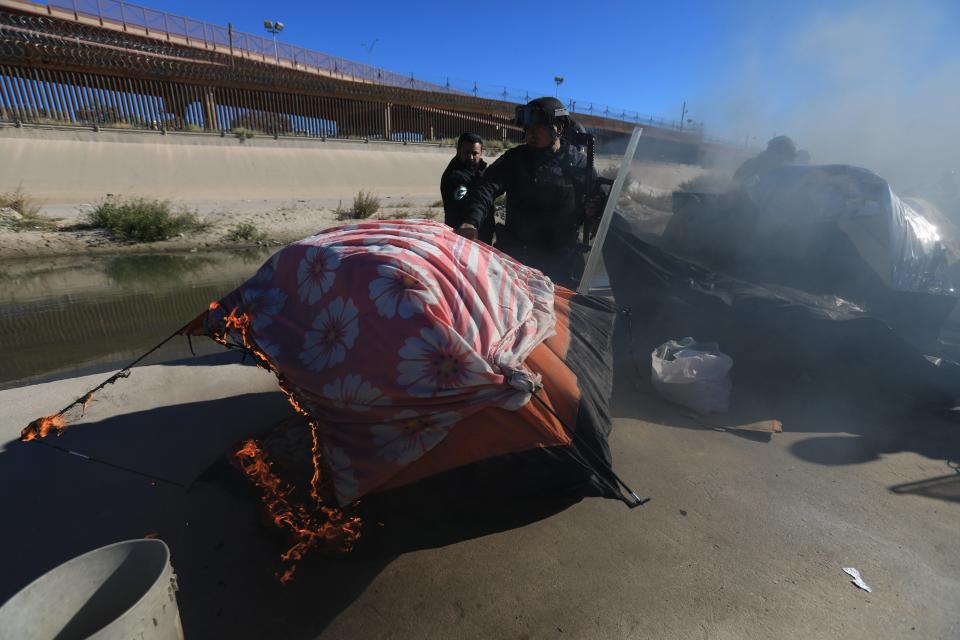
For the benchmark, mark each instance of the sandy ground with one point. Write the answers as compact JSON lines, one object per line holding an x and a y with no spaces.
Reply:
{"x":745,"y":536}
{"x":283,"y":220}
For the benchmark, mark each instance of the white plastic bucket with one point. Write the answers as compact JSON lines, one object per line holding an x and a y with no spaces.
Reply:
{"x":121,"y":591}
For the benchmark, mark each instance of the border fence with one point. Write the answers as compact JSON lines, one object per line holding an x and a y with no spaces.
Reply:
{"x":53,"y":72}
{"x":44,"y":96}
{"x":132,"y":18}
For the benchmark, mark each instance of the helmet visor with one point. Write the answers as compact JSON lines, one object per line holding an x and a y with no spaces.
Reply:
{"x":528,"y":116}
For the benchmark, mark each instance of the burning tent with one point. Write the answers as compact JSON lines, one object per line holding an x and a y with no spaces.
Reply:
{"x":411,"y":351}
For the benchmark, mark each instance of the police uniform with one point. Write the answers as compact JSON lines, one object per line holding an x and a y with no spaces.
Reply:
{"x":545,"y":196}
{"x":455,"y":184}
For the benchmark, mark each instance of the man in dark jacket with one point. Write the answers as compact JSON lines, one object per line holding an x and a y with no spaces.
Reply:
{"x":780,"y":151}
{"x":457,"y":180}
{"x":545,"y":180}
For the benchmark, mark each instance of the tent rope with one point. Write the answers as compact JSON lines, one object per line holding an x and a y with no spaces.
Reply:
{"x":112,"y":465}
{"x":122,"y":373}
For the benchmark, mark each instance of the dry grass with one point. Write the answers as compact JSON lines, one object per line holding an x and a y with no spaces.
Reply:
{"x":428,"y":214}
{"x":365,"y":205}
{"x":28,"y":210}
{"x":246,"y":232}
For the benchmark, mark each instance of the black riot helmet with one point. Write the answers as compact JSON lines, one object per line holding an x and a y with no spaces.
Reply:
{"x":545,"y":110}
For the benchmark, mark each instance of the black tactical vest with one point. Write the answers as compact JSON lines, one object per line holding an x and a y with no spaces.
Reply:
{"x":544,"y":206}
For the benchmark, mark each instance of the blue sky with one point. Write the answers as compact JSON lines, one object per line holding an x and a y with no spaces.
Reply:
{"x":749,"y":68}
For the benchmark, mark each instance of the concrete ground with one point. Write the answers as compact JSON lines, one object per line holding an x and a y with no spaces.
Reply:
{"x":745,"y":536}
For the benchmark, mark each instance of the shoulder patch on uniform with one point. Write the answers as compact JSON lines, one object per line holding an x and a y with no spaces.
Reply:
{"x":461,"y":193}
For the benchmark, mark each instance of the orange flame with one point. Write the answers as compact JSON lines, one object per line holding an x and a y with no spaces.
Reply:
{"x":241,"y":322}
{"x":311,"y":527}
{"x":315,"y":455}
{"x":324,"y":525}
{"x":41,"y":427}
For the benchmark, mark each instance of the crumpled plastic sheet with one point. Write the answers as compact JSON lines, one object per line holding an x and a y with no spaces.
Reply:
{"x":857,"y":580}
{"x":916,"y":256}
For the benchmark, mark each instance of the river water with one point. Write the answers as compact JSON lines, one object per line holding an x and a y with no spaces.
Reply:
{"x":71,"y":315}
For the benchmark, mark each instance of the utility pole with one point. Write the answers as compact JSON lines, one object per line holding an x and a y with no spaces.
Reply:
{"x":683,"y":114}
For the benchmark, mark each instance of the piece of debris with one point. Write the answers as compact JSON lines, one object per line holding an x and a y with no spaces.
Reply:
{"x":763,"y":426}
{"x":857,"y":580}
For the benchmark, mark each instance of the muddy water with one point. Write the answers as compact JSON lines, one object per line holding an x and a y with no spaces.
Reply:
{"x":62,"y":316}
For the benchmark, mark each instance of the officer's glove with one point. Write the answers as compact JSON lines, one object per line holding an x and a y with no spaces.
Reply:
{"x":468,"y":231}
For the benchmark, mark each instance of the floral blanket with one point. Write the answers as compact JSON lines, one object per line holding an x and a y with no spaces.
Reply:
{"x":388,"y":334}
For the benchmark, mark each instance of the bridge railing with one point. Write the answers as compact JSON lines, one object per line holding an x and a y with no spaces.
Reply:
{"x":128,"y":16}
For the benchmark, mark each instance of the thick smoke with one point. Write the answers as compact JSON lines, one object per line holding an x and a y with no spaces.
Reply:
{"x":875,"y":87}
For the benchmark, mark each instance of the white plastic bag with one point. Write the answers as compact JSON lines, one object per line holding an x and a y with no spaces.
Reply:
{"x":693,"y":374}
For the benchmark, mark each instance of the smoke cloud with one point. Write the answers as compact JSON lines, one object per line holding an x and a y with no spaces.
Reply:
{"x":874,"y":87}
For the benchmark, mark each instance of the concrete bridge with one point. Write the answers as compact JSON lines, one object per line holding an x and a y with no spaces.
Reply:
{"x":112,"y":64}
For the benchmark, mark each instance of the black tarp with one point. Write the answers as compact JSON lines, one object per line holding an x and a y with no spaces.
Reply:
{"x":771,"y":331}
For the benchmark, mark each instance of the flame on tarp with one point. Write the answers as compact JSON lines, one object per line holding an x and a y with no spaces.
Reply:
{"x":41,"y":427}
{"x":311,"y":527}
{"x":320,"y":525}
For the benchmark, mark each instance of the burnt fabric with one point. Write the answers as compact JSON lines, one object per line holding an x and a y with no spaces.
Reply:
{"x":417,"y":351}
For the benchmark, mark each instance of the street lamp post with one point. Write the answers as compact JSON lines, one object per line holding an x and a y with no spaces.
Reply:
{"x":274,"y":27}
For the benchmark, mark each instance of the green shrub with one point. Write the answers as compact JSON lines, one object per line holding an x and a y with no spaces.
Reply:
{"x":498,"y":145}
{"x":365,"y":204}
{"x":142,"y":219}
{"x":243,"y":132}
{"x":435,"y":204}
{"x":245,"y":232}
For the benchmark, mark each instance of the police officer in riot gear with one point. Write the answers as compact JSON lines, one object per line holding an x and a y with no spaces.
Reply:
{"x":458,"y":179}
{"x":546,"y":181}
